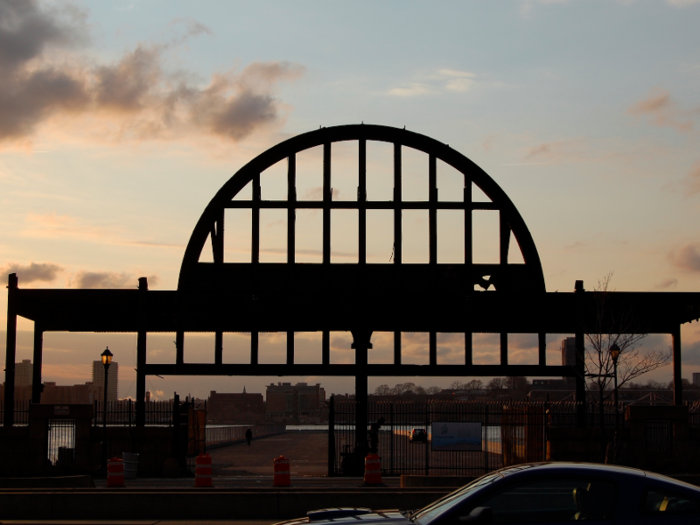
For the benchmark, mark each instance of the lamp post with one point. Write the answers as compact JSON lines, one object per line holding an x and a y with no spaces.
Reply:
{"x":614,"y":354}
{"x":106,"y":361}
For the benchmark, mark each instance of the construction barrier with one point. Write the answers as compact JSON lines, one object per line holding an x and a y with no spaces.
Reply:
{"x":202,"y":472}
{"x":282,"y":477}
{"x":115,"y":472}
{"x":373,"y":470}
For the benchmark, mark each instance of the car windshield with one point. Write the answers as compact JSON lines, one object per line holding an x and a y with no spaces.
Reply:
{"x":426,"y":515}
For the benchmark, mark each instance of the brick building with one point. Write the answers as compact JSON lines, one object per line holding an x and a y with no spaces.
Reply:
{"x":298,"y":404}
{"x":54,"y":394}
{"x":241,"y":408}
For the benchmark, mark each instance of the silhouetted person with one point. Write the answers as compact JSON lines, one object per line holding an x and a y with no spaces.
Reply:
{"x":249,"y":436}
{"x":374,"y":435}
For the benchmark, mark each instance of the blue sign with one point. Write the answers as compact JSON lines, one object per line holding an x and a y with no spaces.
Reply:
{"x":451,"y":436}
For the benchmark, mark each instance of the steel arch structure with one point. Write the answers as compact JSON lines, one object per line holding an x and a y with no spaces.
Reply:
{"x":503,"y":276}
{"x":361,"y":297}
{"x":257,"y":286}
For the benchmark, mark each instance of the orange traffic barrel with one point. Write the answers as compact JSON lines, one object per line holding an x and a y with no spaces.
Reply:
{"x":115,"y":472}
{"x":373,"y":470}
{"x":282,"y":477}
{"x":202,"y":472}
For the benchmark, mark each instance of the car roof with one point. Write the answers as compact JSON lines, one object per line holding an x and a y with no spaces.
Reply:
{"x":571,"y":467}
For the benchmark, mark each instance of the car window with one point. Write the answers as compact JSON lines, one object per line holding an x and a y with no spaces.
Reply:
{"x":552,"y":500}
{"x":441,"y":507}
{"x":662,"y":502}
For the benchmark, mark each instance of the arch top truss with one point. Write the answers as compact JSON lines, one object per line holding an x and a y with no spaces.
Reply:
{"x":499,"y":275}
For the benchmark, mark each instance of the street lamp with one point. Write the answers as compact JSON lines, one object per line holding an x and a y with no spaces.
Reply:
{"x":614,"y":354}
{"x":106,"y":361}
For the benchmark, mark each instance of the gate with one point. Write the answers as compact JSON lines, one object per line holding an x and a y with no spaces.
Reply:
{"x":511,"y":432}
{"x":61,"y":440}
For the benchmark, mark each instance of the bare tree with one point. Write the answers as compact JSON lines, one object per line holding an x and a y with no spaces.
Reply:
{"x":432,"y":390}
{"x":474,"y":384}
{"x":382,"y":390}
{"x":627,"y":333}
{"x":497,"y":383}
{"x":404,"y":388}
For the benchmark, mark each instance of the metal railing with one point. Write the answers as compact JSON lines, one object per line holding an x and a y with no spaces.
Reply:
{"x":21,"y":412}
{"x":123,"y":413}
{"x":512,"y":432}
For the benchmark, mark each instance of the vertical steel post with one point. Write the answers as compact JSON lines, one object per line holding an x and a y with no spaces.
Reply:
{"x":326,"y":347}
{"x":10,"y":350}
{"x":362,"y":202}
{"x":677,"y":377}
{"x":37,"y":359}
{"x":432,"y":210}
{"x":327,"y":203}
{"x":361,"y":344}
{"x":580,"y":365}
{"x":141,"y":349}
{"x":331,"y":438}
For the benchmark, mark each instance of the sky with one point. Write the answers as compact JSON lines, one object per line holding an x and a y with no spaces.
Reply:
{"x":120,"y":120}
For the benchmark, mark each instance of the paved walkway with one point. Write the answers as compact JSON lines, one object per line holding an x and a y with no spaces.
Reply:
{"x":307,"y":453}
{"x":243,"y":466}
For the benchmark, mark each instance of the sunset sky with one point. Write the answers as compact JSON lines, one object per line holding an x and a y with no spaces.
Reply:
{"x":120,"y":120}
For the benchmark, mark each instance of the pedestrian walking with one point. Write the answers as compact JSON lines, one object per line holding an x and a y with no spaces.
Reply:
{"x":249,"y":436}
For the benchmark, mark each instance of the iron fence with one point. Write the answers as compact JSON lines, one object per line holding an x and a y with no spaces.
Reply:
{"x":219,"y":436}
{"x":123,"y":413}
{"x":511,"y":433}
{"x":694,"y":414}
{"x":21,"y":413}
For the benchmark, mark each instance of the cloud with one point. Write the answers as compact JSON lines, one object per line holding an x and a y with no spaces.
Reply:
{"x":86,"y":279}
{"x":682,"y":3}
{"x":559,"y":151}
{"x":441,"y":81}
{"x":33,"y":272}
{"x":488,"y":142}
{"x":457,"y":80}
{"x":686,"y":257}
{"x":411,"y":90}
{"x":692,"y":180}
{"x":55,"y":226}
{"x":663,"y":111}
{"x":666,"y":284}
{"x":691,"y":353}
{"x":527,"y":6}
{"x":135,"y":97}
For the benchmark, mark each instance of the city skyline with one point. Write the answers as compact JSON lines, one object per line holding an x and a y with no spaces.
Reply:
{"x":594,"y":139}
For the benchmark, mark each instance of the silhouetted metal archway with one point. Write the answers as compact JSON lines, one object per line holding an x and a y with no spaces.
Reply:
{"x":362,"y":298}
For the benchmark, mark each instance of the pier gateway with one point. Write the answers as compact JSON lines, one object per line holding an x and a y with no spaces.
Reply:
{"x":218,"y":296}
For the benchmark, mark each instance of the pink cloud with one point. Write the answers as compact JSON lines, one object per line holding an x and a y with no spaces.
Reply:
{"x":686,"y":257}
{"x":663,"y":111}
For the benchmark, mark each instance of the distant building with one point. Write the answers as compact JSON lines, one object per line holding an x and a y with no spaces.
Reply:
{"x":242,"y":408}
{"x":23,"y":373}
{"x":98,"y":379}
{"x":54,"y":394}
{"x":298,"y":404}
{"x":568,"y":351}
{"x":696,"y":378}
{"x":568,"y":356}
